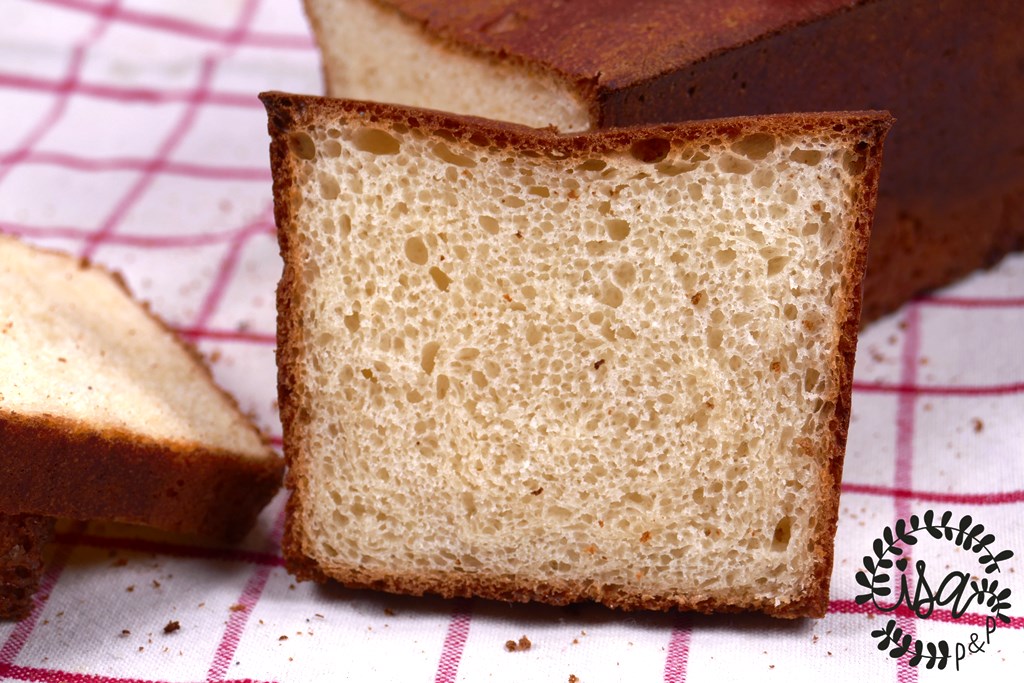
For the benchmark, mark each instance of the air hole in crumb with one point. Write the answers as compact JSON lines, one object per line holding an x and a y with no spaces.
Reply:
{"x":442,"y":150}
{"x":776,"y":264}
{"x":533,"y":334}
{"x":725,"y":257}
{"x":854,"y":163}
{"x":714,"y":338}
{"x":756,"y":146}
{"x":442,"y":386}
{"x":489,"y":224}
{"x":610,"y":295}
{"x":669,"y":169}
{"x":428,"y":355}
{"x":783,"y":530}
{"x":416,"y":251}
{"x":811,"y":157}
{"x":441,"y":278}
{"x":624,"y":274}
{"x":811,"y":378}
{"x":617,"y":229}
{"x":329,"y":188}
{"x":352,"y":321}
{"x":375,"y":141}
{"x":730,"y":163}
{"x":332,"y":149}
{"x":651,"y":150}
{"x":592,"y":165}
{"x":302,"y":146}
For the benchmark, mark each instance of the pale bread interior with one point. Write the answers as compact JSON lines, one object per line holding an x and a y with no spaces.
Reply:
{"x":371,"y":52}
{"x":75,"y":347}
{"x":595,"y":371}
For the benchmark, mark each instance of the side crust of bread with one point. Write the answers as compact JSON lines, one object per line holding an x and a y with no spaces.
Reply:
{"x":288,"y":112}
{"x":56,"y":467}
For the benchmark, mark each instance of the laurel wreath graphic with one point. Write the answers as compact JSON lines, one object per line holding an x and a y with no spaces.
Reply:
{"x":875,"y":578}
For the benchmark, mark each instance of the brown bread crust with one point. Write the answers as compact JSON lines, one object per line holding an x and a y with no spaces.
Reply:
{"x":58,"y":467}
{"x":288,"y":113}
{"x":22,"y":539}
{"x":951,"y":193}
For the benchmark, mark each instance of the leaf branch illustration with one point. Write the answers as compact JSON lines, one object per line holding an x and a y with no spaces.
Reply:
{"x":898,"y":643}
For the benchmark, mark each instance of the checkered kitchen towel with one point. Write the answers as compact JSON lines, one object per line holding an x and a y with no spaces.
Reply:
{"x":130,"y":133}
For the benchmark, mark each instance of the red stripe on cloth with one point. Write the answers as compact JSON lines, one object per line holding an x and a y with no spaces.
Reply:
{"x":1000,"y":498}
{"x":903,"y":470}
{"x":39,"y":675}
{"x":973,"y":302}
{"x":228,"y":265}
{"x":127,"y":94}
{"x":193,"y":29}
{"x":177,"y":134}
{"x":678,"y":651}
{"x":454,"y":642}
{"x":251,"y":594}
{"x":939,"y":615}
{"x":94,"y":239}
{"x":138,"y":545}
{"x":911,"y":388}
{"x":148,"y":165}
{"x":196,"y":333}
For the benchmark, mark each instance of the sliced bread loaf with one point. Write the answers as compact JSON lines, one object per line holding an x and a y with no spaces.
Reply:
{"x":611,"y":366}
{"x":951,"y":195}
{"x":105,"y":414}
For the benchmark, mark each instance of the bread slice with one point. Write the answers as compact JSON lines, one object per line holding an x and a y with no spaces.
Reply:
{"x":950,"y":202}
{"x":611,"y":366}
{"x":105,"y":414}
{"x":22,"y":540}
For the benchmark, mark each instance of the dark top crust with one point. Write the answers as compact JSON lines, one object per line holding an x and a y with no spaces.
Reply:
{"x":59,"y":467}
{"x":291,"y":114}
{"x":596,"y":41}
{"x":22,"y":539}
{"x":288,"y":113}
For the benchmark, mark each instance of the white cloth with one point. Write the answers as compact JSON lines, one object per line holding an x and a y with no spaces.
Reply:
{"x":130,"y":132}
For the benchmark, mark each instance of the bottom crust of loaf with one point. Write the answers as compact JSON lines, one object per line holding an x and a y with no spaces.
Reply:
{"x":813,"y":600}
{"x":22,"y":541}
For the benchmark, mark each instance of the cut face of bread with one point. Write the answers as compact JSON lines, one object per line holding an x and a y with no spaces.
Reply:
{"x":368,"y":49}
{"x":104,"y":414}
{"x":608,"y":366}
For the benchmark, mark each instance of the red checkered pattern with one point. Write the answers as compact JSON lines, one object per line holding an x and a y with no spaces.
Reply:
{"x":130,"y":133}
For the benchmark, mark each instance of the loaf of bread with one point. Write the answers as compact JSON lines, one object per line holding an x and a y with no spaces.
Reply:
{"x":104,"y":414}
{"x":611,"y":366}
{"x":952,"y":195}
{"x":22,"y":540}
